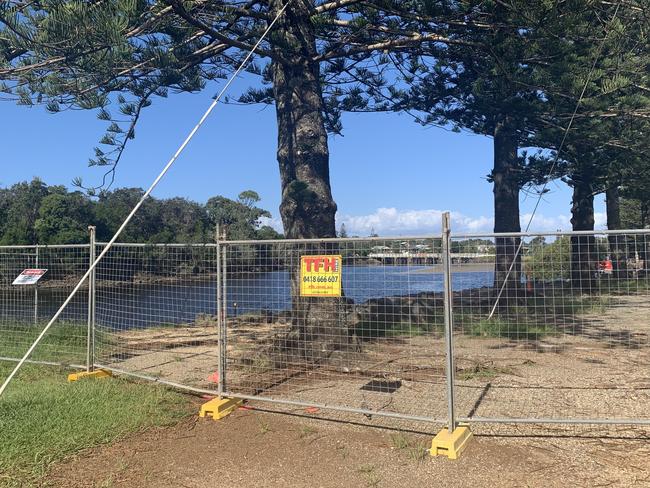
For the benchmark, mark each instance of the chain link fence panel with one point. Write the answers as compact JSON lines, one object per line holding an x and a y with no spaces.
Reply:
{"x":560,"y":331}
{"x":547,"y":328}
{"x":368,"y":337}
{"x":155,"y":312}
{"x":27,"y":308}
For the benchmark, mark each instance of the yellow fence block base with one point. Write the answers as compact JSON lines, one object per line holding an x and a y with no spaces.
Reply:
{"x":98,"y":373}
{"x":451,"y":444}
{"x":218,"y":408}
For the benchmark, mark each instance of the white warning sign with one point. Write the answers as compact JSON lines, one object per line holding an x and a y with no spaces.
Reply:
{"x":29,"y":277}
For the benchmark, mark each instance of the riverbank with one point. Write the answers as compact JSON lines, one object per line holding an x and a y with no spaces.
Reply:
{"x":103,"y":281}
{"x":180,"y":298}
{"x":457,"y":268}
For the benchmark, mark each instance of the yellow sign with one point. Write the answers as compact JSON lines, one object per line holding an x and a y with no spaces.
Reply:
{"x":320,"y":276}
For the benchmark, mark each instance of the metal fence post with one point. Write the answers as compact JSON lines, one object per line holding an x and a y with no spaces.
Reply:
{"x":223,"y":338}
{"x":90,"y":339}
{"x":36,"y":288}
{"x":220,"y":368}
{"x":449,"y":319}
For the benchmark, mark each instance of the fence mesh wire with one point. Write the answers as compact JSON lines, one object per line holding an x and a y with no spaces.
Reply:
{"x":567,"y":340}
{"x":155,"y":312}
{"x":569,"y":336}
{"x":27,"y":308}
{"x":379,"y":347}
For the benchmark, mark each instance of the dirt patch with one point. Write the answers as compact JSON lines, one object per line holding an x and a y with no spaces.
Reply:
{"x":592,"y":367}
{"x":262,"y":449}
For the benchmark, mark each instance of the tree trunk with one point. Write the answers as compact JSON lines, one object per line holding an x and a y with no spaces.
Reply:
{"x":613,"y":204}
{"x":307,"y":209}
{"x":583,"y":248}
{"x":505,"y":176}
{"x":644,"y":252}
{"x":617,"y":243}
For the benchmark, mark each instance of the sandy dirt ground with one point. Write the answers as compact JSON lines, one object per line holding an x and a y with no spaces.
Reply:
{"x":262,"y":449}
{"x":597,"y":368}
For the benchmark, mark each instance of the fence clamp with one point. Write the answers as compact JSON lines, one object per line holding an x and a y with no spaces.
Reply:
{"x":218,"y":408}
{"x":451,"y":444}
{"x":98,"y":373}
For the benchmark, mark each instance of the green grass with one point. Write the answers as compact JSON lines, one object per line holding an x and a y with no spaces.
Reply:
{"x":418,"y":452}
{"x":264,"y":426}
{"x":369,"y":330}
{"x":400,"y":440}
{"x":595,"y":305}
{"x":369,"y":472}
{"x":306,"y":431}
{"x":43,"y":418}
{"x":483,"y":371}
{"x":533,"y":318}
{"x":505,"y":328}
{"x":64,"y":342}
{"x":582,"y":305}
{"x":625,"y":286}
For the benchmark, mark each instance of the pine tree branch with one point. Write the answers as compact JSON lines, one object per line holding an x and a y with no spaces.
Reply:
{"x":245,"y":11}
{"x":144,"y":27}
{"x":180,"y":10}
{"x":327,"y":7}
{"x":122,"y":147}
{"x":413,"y":40}
{"x":48,"y":62}
{"x":14,"y":54}
{"x":425,"y":20}
{"x":607,"y":114}
{"x":195,"y":58}
{"x":370,"y":27}
{"x":66,"y":58}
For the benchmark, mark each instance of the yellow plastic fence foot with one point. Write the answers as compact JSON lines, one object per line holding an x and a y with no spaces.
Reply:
{"x":98,"y":373}
{"x":451,"y":444}
{"x":218,"y":408}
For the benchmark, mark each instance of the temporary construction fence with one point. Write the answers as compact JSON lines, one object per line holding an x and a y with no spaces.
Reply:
{"x":24,"y":310}
{"x":499,"y":328}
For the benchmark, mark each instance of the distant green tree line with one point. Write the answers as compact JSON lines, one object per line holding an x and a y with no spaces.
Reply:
{"x":37,"y":213}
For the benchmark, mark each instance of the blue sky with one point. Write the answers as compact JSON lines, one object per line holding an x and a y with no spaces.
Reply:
{"x":388,"y":173}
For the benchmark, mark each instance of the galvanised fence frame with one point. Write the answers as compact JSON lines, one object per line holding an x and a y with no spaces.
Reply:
{"x":24,"y":310}
{"x":540,"y":328}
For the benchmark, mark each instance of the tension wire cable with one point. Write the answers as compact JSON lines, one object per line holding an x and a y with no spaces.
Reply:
{"x":144,"y":197}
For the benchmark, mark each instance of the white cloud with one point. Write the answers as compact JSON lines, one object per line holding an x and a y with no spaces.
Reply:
{"x":274,"y":222}
{"x":394,"y":222}
{"x":600,"y":219}
{"x":544,"y":223}
{"x":391,"y":221}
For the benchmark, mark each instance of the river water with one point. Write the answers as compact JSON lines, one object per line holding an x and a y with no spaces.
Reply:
{"x":143,"y":305}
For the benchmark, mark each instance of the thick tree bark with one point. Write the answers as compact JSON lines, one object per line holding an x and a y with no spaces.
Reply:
{"x":617,"y":243}
{"x":613,"y":205}
{"x":307,"y":209}
{"x":583,"y":248}
{"x":505,"y":176}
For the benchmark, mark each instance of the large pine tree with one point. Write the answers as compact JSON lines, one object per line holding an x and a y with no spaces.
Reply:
{"x":516,"y":73}
{"x":89,"y":54}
